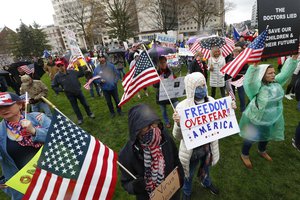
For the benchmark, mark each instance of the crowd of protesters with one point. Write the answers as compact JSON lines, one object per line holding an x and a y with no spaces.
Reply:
{"x":150,"y":153}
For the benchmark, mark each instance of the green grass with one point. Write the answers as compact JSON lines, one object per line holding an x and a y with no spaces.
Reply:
{"x":277,"y":180}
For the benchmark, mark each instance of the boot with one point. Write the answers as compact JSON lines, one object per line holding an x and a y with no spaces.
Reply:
{"x":265,"y":156}
{"x":246,"y":161}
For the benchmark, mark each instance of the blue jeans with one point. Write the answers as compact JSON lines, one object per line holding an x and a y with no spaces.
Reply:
{"x":241,"y":93}
{"x":73,"y":100}
{"x":121,"y":73}
{"x":163,"y":108}
{"x":187,"y":185}
{"x":114,"y":94}
{"x":92,"y":89}
{"x":41,"y":106}
{"x":262,"y":146}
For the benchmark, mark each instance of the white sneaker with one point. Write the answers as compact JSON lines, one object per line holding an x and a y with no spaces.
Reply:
{"x":292,"y":95}
{"x":288,"y":97}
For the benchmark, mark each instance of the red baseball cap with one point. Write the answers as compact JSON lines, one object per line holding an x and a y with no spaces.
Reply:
{"x":59,"y":62}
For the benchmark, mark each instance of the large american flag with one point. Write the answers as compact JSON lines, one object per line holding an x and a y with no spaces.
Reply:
{"x":141,"y":75}
{"x":252,"y":53}
{"x":73,"y":165}
{"x":28,"y":69}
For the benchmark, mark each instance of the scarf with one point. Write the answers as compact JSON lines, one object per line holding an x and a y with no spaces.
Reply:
{"x":20,"y":134}
{"x":154,"y":161}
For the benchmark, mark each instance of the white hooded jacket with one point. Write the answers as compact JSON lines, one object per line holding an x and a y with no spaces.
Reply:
{"x":191,"y":82}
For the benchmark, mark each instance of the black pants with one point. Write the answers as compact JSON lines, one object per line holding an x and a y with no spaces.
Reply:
{"x":114,"y":94}
{"x":291,"y":86}
{"x":262,"y":146}
{"x":213,"y":91}
{"x":73,"y":100}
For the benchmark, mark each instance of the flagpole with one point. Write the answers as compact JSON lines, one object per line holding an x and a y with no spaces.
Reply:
{"x":160,"y":79}
{"x":54,"y":107}
{"x":26,"y":104}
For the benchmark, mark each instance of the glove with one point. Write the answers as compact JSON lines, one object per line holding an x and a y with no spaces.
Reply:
{"x":139,"y":185}
{"x":26,"y":124}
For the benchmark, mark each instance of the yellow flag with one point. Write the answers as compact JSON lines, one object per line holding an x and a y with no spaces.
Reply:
{"x":21,"y":180}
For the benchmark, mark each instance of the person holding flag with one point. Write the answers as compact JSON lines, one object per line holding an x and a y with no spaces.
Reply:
{"x":263,"y":121}
{"x":150,"y":154}
{"x":21,"y":138}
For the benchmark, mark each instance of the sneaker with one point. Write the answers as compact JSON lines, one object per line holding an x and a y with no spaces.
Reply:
{"x":288,"y":97}
{"x":80,"y":121}
{"x":211,"y":188}
{"x":246,"y":161}
{"x":294,"y":145}
{"x":292,"y":95}
{"x":92,"y":116}
{"x":265,"y":156}
{"x":146,"y":93}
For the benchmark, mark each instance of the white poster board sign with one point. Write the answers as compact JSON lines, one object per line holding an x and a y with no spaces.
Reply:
{"x":71,"y":40}
{"x":172,"y":59}
{"x":185,"y":52}
{"x":165,"y":38}
{"x":207,"y":122}
{"x":175,"y":88}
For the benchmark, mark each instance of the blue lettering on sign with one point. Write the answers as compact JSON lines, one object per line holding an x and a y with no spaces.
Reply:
{"x":195,"y":134}
{"x":202,"y":130}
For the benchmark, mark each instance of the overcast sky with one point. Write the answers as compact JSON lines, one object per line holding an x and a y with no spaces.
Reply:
{"x":41,"y":11}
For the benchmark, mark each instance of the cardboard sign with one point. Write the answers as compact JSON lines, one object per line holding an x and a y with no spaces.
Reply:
{"x":207,"y":122}
{"x":283,"y":18}
{"x":175,"y":88}
{"x":167,"y":188}
{"x":71,"y":40}
{"x":165,"y":38}
{"x":21,"y":180}
{"x":172,"y":60}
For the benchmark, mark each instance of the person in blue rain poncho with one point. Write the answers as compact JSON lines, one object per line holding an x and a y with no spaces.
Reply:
{"x":263,"y":119}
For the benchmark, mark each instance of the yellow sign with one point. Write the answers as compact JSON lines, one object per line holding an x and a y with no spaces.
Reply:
{"x":21,"y":180}
{"x":167,"y":188}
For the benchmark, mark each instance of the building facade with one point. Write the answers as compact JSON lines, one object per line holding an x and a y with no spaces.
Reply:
{"x":55,"y":39}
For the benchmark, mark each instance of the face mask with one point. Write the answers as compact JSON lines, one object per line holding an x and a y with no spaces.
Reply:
{"x":147,"y":137}
{"x":200,"y":92}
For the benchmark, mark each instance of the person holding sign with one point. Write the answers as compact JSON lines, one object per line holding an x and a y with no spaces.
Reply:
{"x":21,"y":137}
{"x":150,"y":154}
{"x":206,"y":155}
{"x":164,"y":72}
{"x":263,"y":121}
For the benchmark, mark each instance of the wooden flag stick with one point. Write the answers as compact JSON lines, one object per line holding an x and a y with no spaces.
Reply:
{"x":54,"y":107}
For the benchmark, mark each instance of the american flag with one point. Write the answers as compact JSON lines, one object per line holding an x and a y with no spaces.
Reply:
{"x":28,"y":69}
{"x":141,"y":75}
{"x":87,"y":85}
{"x":239,"y":82}
{"x":252,"y":53}
{"x":245,"y":32}
{"x":229,"y":89}
{"x":73,"y":165}
{"x":236,"y":34}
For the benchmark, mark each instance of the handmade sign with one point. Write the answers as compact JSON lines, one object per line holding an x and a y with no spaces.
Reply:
{"x":175,"y":88}
{"x":207,"y":122}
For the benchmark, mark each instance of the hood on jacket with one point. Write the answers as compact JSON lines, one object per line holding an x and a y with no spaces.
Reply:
{"x":139,"y":117}
{"x":192,"y":81}
{"x":262,"y":70}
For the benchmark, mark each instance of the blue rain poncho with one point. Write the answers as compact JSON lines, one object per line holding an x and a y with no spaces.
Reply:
{"x":263,"y":118}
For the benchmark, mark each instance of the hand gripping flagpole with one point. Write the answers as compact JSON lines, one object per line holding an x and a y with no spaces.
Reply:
{"x":55,"y":108}
{"x":160,"y":79}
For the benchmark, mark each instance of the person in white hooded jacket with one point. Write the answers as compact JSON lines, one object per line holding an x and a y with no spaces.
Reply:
{"x":206,"y":155}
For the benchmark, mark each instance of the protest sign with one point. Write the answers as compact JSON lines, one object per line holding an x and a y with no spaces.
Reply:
{"x":185,"y":52}
{"x":163,"y":38}
{"x":175,"y":88}
{"x":283,"y":20}
{"x":207,"y":122}
{"x":167,"y":188}
{"x":21,"y":180}
{"x":71,"y":41}
{"x":172,"y":59}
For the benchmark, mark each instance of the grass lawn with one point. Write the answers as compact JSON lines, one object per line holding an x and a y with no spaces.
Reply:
{"x":279,"y":179}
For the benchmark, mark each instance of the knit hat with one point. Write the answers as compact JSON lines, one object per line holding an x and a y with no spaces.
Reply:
{"x":8,"y":98}
{"x":26,"y":79}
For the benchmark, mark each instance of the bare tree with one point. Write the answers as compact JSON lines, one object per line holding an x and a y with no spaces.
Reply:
{"x":87,"y":14}
{"x":202,"y":11}
{"x":162,"y":14}
{"x":122,"y":18}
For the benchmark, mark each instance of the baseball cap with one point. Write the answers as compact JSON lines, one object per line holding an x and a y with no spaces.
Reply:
{"x":59,"y":63}
{"x":8,"y":98}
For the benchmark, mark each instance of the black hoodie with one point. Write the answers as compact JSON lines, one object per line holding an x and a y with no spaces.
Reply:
{"x":132,"y":156}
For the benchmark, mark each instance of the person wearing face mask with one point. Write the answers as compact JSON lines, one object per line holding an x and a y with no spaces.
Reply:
{"x":205,"y":155}
{"x":263,"y":121}
{"x":150,"y":154}
{"x":20,"y":138}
